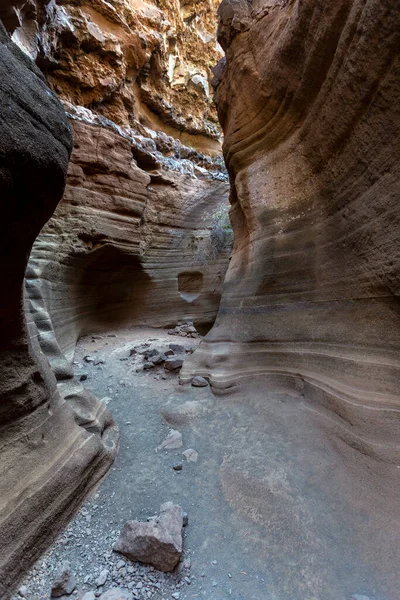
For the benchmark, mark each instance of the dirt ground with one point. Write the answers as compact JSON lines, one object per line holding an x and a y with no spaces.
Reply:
{"x":279,"y":509}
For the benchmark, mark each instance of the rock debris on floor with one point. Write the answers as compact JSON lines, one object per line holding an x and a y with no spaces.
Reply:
{"x":256,"y":485}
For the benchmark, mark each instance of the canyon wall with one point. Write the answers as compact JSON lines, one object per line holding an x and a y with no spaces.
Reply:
{"x":308,"y":98}
{"x":50,"y":457}
{"x":132,"y":241}
{"x":146,"y":177}
{"x":129,"y":60}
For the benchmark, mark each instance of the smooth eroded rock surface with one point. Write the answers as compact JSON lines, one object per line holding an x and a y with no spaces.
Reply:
{"x":48,"y":462}
{"x":308,"y":100}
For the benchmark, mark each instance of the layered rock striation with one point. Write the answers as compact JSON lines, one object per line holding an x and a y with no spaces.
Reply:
{"x":308,"y":100}
{"x":131,"y":242}
{"x":50,"y":456}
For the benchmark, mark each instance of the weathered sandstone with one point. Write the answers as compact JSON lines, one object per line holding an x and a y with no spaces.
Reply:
{"x":129,"y":60}
{"x":128,"y":245}
{"x":308,"y":100}
{"x":49,"y":458}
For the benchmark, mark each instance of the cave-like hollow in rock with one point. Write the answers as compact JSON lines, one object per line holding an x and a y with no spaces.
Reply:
{"x":200,"y":248}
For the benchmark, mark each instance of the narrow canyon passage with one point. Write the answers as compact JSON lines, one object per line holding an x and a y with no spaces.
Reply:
{"x":200,"y":349}
{"x":279,"y":507}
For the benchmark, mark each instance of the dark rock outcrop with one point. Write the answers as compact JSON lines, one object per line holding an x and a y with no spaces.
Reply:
{"x":308,"y":100}
{"x":48,"y":461}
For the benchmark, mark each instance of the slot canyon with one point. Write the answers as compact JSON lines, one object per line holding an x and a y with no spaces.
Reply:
{"x":200,"y":317}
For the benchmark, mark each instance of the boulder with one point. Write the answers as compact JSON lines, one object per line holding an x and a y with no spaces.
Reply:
{"x":198,"y":381}
{"x":173,"y":364}
{"x":158,"y":542}
{"x":65,"y":582}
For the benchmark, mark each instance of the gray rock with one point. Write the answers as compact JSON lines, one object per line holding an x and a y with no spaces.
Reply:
{"x":89,"y":596}
{"x":23,"y":591}
{"x":65,"y":582}
{"x":190,"y":455}
{"x":102,"y":578}
{"x":157,"y":360}
{"x":116,"y":594}
{"x":172,"y":364}
{"x":172,"y":441}
{"x":199,"y":381}
{"x":177,"y":347}
{"x":158,"y":542}
{"x":148,"y":365}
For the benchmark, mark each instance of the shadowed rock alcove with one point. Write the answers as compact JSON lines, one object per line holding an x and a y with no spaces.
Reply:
{"x":190,"y":285}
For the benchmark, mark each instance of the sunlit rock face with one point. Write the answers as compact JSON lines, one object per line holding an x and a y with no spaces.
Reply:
{"x":51,"y":455}
{"x":308,"y":101}
{"x":146,"y":175}
{"x":129,"y":60}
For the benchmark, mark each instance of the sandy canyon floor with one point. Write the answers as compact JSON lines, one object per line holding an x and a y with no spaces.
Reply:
{"x":279,"y":508}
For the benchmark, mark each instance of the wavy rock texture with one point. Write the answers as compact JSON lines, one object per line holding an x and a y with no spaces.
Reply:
{"x":49,"y":457}
{"x":309,"y":103}
{"x":128,"y":245}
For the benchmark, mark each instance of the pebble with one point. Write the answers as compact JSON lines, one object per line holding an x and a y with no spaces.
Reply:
{"x":178,"y":467}
{"x":102,"y":578}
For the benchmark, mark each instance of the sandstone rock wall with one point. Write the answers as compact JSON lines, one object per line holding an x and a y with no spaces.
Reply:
{"x":127,"y":232}
{"x":309,"y":103}
{"x":50,"y":458}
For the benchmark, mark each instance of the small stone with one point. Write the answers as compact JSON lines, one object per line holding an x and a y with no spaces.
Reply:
{"x":190,"y":455}
{"x":199,"y":381}
{"x":187,"y":563}
{"x":116,"y":594}
{"x":172,"y":441}
{"x":157,"y":360}
{"x":102,"y":578}
{"x":177,"y":347}
{"x":176,"y":595}
{"x":83,"y":377}
{"x":89,"y":596}
{"x":65,"y":582}
{"x":151,"y":353}
{"x":213,"y":562}
{"x":214,"y":584}
{"x":173,"y":364}
{"x":88,"y":359}
{"x":120,"y":564}
{"x":23,"y":591}
{"x":359,"y":597}
{"x":178,"y":467}
{"x":147,"y":366}
{"x":185,"y":521}
{"x":98,"y":361}
{"x":158,"y":542}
